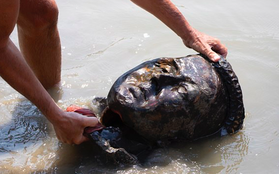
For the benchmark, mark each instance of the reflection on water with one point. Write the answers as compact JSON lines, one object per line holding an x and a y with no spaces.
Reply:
{"x":103,"y":39}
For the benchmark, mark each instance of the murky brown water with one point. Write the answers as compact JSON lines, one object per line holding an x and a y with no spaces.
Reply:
{"x":103,"y":39}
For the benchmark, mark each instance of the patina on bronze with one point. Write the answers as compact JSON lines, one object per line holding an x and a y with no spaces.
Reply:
{"x":168,"y":99}
{"x":177,"y":98}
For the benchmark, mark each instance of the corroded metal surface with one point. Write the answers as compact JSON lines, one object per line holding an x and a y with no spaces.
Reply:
{"x":177,"y":98}
{"x":166,"y":99}
{"x":235,"y":114}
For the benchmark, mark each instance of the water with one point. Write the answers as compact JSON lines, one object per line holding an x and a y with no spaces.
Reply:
{"x":103,"y":39}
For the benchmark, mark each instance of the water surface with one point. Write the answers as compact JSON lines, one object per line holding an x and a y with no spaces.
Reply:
{"x":103,"y":39}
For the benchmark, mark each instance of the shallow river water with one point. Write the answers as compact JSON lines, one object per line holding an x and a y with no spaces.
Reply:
{"x":103,"y":39}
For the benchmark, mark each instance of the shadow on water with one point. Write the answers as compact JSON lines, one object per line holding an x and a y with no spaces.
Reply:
{"x":28,"y":145}
{"x":23,"y":138}
{"x":27,"y":126}
{"x":27,"y":139}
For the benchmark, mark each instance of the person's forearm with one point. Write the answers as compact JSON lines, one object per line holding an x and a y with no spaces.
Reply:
{"x":167,"y":12}
{"x":17,"y":73}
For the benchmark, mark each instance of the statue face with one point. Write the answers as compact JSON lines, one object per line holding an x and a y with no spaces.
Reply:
{"x":166,"y":92}
{"x":160,"y":83}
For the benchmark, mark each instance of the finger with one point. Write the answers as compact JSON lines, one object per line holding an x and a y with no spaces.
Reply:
{"x":90,"y":121}
{"x":84,"y":139}
{"x":208,"y":52}
{"x":213,"y":56}
{"x":81,"y":140}
{"x":220,"y":49}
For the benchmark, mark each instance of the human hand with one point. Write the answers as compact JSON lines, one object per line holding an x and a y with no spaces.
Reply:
{"x":70,"y":127}
{"x":206,"y":45}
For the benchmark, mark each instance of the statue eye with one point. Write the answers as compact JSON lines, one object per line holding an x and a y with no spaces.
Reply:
{"x":165,"y":68}
{"x":156,"y":85}
{"x":182,"y":90}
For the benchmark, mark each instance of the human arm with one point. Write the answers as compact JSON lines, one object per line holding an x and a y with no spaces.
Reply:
{"x":167,"y":12}
{"x":69,"y":127}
